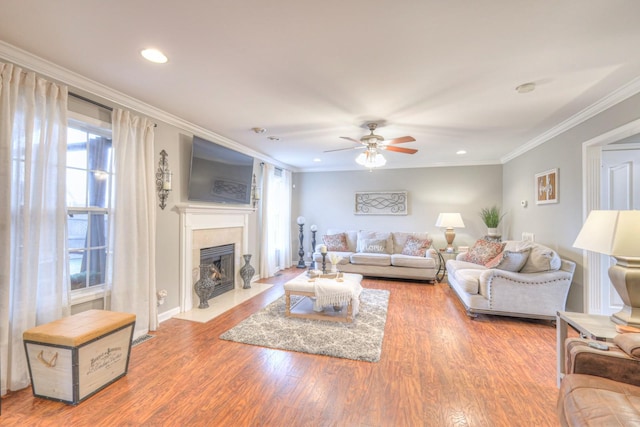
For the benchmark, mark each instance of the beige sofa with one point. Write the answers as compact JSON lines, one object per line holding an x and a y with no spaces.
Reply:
{"x":387,"y":258}
{"x":536,"y":287}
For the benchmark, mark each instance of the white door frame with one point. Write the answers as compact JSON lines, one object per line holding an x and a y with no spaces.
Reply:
{"x":591,"y":161}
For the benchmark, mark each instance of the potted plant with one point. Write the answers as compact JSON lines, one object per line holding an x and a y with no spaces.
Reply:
{"x":491,"y":218}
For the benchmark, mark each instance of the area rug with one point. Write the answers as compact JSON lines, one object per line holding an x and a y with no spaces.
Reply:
{"x":141,"y":339}
{"x":360,"y":340}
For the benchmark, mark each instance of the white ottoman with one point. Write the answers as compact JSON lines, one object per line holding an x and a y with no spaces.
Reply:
{"x":324,"y":291}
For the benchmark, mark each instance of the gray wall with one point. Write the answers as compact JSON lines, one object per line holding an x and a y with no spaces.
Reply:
{"x":327,"y":200}
{"x":557,"y":225}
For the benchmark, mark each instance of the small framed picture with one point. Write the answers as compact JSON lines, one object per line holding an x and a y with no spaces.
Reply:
{"x":546,"y":185}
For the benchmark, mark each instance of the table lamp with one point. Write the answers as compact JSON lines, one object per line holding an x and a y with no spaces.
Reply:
{"x":615,"y":233}
{"x":450,"y":221}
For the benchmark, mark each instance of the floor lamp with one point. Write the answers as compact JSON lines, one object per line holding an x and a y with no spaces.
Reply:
{"x":450,"y":221}
{"x":615,"y":233}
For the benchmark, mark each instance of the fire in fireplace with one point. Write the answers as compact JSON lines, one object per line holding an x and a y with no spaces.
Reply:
{"x":222,"y":257}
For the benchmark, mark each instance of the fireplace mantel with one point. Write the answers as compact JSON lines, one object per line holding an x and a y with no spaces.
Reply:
{"x":199,"y":217}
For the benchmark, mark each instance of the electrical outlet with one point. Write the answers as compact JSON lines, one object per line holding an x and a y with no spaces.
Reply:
{"x":528,"y":237}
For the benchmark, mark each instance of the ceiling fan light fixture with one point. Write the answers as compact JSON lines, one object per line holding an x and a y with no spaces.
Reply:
{"x":371,"y":159}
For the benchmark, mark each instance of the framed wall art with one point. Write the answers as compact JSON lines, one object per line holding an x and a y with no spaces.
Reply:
{"x":381,"y":203}
{"x":546,"y":185}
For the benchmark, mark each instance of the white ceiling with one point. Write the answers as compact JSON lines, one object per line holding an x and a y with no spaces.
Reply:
{"x":443,"y":72}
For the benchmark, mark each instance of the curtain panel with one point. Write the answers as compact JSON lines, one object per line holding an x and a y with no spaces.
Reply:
{"x":34,"y":282}
{"x":133,"y":236}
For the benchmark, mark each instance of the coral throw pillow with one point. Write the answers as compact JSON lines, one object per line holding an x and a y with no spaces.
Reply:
{"x":416,"y":247}
{"x":484,"y":251}
{"x":336,"y":242}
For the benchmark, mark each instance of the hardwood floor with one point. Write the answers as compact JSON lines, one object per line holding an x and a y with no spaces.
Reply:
{"x":438,"y":368}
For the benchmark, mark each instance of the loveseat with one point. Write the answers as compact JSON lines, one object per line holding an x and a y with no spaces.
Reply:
{"x":602,"y":387}
{"x":512,"y":278}
{"x":379,"y":254}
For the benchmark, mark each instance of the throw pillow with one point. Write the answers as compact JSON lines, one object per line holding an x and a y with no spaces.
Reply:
{"x":483,"y":251}
{"x":416,"y":247}
{"x":336,"y":242}
{"x":509,"y":260}
{"x":373,"y":246}
{"x":629,"y":343}
{"x":541,"y":259}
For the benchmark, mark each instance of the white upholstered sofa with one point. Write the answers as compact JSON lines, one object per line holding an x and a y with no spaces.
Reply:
{"x":527,"y":279}
{"x":380,"y":254}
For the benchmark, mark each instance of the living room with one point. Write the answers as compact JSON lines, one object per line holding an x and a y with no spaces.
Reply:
{"x":325,"y":196}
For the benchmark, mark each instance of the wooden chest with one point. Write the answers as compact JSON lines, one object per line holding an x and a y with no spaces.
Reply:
{"x":72,"y":358}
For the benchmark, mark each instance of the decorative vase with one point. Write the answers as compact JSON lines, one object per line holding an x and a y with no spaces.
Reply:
{"x":334,"y":268}
{"x":204,"y":286}
{"x":246,"y":272}
{"x":492,"y":231}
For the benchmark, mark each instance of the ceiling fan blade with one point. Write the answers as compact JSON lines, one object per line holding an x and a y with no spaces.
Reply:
{"x":400,"y":140}
{"x":359,"y":147}
{"x":401,"y":150}
{"x":351,"y":139}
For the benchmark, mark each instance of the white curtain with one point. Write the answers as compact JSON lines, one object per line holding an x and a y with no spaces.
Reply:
{"x":34,"y":282}
{"x":276,"y":217}
{"x":133,"y":234}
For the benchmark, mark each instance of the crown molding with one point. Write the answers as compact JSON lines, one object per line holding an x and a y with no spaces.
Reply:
{"x":70,"y":78}
{"x":623,"y":93}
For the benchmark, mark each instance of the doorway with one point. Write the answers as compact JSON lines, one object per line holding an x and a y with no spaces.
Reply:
{"x":595,"y":279}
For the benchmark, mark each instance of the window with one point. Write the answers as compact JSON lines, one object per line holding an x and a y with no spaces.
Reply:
{"x":89,"y":186}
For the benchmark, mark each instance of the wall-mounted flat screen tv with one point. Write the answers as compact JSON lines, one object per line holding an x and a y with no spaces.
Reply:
{"x":219,"y":174}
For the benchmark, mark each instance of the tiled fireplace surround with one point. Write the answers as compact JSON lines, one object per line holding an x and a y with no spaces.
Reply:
{"x":203,"y":227}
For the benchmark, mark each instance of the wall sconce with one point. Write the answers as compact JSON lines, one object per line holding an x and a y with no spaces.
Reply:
{"x":163,"y":179}
{"x":255,"y":192}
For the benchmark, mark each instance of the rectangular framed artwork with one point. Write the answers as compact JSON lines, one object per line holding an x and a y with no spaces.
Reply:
{"x":546,"y":185}
{"x":381,"y":203}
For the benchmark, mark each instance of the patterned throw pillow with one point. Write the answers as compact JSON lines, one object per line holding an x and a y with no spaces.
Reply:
{"x":373,"y":246}
{"x":336,"y":242}
{"x":509,"y":260}
{"x":416,"y":247}
{"x":484,"y":251}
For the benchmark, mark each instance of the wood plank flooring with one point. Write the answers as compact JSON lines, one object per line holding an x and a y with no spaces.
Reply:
{"x":438,"y":368}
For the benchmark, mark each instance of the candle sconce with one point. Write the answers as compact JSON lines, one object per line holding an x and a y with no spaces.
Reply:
{"x":163,"y":179}
{"x":255,"y":192}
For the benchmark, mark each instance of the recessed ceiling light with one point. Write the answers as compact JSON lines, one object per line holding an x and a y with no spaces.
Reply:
{"x":461,"y":152}
{"x":154,"y":55}
{"x":317,"y":160}
{"x":526,"y":88}
{"x":273,"y":138}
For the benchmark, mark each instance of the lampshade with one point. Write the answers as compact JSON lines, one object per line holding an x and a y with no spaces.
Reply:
{"x":612,"y":233}
{"x":371,"y":159}
{"x":615,"y":233}
{"x":450,"y":220}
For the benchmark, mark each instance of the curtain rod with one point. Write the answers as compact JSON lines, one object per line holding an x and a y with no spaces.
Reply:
{"x":91,"y":101}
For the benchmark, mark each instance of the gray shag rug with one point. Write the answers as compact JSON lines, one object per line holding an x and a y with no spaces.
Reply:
{"x":360,"y":340}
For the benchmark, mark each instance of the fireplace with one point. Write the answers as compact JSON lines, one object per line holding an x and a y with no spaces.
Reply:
{"x":222,"y":257}
{"x":205,"y":227}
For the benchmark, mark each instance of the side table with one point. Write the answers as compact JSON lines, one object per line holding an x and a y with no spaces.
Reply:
{"x":593,"y":326}
{"x":443,"y":256}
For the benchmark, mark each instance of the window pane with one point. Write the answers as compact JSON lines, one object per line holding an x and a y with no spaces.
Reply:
{"x":76,"y":188}
{"x":78,"y":278}
{"x":76,"y":148}
{"x":97,"y":258}
{"x":78,"y":225}
{"x":98,"y":230}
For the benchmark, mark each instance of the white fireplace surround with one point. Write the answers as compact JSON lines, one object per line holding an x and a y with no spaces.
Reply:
{"x":194,"y":218}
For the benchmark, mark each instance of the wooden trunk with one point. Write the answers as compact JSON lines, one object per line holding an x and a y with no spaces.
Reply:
{"x":72,"y":358}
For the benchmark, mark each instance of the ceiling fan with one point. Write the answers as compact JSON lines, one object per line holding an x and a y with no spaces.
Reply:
{"x":374,"y":143}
